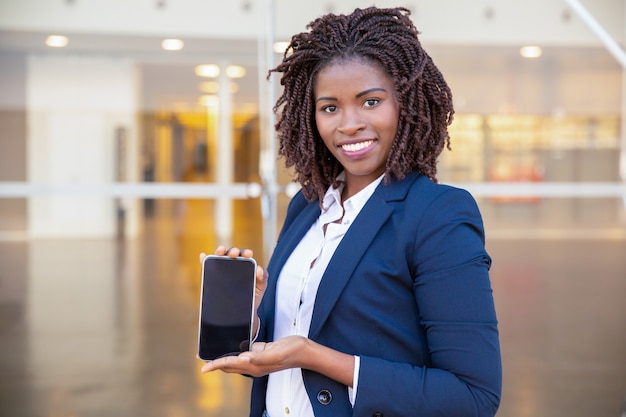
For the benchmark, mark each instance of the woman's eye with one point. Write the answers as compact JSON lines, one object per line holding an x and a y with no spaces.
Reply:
{"x":371,"y":102}
{"x":329,"y":109}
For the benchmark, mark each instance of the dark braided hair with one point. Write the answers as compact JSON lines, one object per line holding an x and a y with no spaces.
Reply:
{"x":388,"y":38}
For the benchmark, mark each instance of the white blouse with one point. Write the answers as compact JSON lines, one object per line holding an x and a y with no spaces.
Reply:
{"x":296,"y":291}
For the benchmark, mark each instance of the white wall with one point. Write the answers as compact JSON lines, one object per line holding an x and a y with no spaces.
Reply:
{"x":549,"y":22}
{"x":75,"y":104}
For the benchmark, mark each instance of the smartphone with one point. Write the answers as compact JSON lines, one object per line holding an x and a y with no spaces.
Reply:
{"x":226,"y":306}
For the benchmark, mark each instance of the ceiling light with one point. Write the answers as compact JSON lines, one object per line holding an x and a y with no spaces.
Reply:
{"x":172,"y":44}
{"x":280,"y":47}
{"x":207,"y":70}
{"x":57,"y":41}
{"x":235,"y":71}
{"x":530,"y":52}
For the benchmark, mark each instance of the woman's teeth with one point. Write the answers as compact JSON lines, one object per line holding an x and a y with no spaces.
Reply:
{"x":355,"y":147}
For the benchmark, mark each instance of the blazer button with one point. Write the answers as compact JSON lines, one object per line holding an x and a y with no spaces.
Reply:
{"x":378,"y":414}
{"x":324,"y":397}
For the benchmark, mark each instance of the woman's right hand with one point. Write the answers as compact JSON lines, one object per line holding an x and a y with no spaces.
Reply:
{"x":261,"y":276}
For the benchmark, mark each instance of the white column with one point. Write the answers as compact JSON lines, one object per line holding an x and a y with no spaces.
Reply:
{"x":622,"y":159}
{"x":267,"y":98}
{"x":225,"y":157}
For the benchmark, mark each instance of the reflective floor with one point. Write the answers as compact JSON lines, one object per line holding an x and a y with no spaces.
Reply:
{"x":92,"y":328}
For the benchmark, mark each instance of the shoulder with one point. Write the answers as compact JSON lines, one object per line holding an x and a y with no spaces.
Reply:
{"x":420,"y":191}
{"x":296,"y":207}
{"x":297,"y":203}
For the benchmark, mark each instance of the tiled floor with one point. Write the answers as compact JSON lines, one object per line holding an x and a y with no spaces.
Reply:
{"x":107,"y":328}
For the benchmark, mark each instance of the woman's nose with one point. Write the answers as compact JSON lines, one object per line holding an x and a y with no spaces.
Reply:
{"x":351,"y":122}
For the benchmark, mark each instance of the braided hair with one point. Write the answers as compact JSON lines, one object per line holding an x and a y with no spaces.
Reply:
{"x":387,"y":37}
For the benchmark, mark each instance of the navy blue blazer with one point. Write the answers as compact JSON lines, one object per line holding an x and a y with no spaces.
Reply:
{"x":407,"y":290}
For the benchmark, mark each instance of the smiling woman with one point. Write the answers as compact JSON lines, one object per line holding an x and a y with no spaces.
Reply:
{"x":392,"y":313}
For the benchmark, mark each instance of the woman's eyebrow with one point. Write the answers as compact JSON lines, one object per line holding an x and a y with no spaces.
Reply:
{"x":325,"y":98}
{"x":371,"y":90}
{"x":361,"y":94}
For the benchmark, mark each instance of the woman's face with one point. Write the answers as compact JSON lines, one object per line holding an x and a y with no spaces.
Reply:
{"x":356,"y":112}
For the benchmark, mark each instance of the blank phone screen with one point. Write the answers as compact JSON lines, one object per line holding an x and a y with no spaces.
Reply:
{"x":226,"y":306}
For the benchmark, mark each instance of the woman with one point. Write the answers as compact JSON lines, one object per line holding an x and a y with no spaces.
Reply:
{"x":377,"y":300}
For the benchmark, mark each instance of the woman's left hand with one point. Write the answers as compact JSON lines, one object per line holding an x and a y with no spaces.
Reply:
{"x":263,"y":358}
{"x":286,"y":353}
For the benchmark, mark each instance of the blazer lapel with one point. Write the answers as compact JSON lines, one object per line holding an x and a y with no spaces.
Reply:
{"x":354,"y":245}
{"x":288,"y":242}
{"x":296,"y":231}
{"x":347,"y":255}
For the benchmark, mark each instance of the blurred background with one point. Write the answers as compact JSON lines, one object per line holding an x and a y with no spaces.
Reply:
{"x":136,"y":134}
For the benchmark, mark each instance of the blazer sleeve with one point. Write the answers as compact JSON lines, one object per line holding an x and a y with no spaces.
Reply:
{"x":456,"y":310}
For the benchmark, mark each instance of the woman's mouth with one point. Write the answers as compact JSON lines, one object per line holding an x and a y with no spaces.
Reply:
{"x":357,"y":150}
{"x":356,"y":147}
